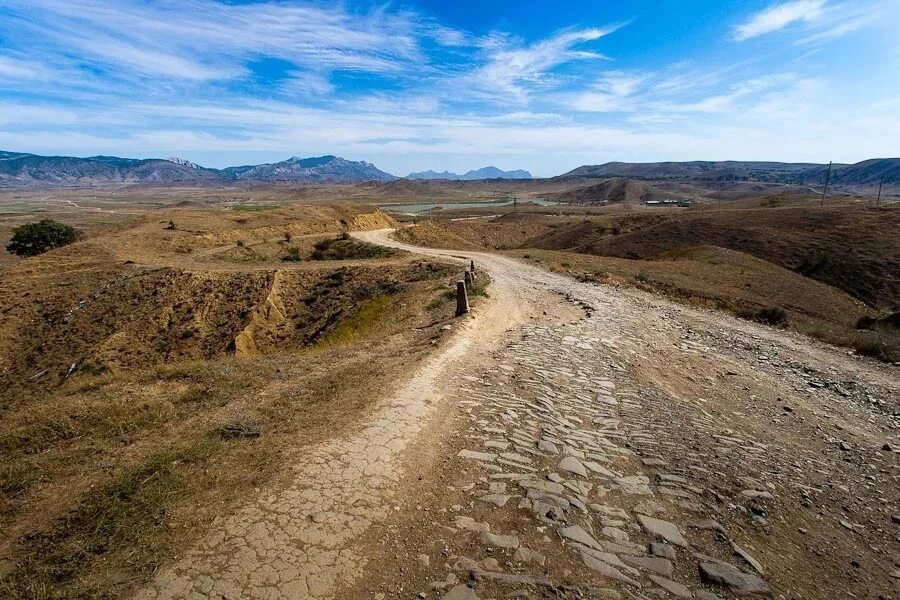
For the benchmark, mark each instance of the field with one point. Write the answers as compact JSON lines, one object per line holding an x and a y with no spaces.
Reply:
{"x":156,"y":372}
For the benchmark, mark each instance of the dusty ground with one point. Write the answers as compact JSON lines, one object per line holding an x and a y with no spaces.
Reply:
{"x":530,"y":457}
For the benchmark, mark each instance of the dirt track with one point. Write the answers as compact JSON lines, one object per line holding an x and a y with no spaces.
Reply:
{"x":540,"y":454}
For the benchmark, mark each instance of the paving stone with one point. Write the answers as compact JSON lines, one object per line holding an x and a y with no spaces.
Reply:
{"x":662,"y":529}
{"x":460,"y":592}
{"x":512,"y":578}
{"x":738,"y":582}
{"x":572,"y":465}
{"x":658,"y":565}
{"x":662,"y":550}
{"x":526,"y":555}
{"x":607,"y":570}
{"x":500,"y":541}
{"x":576,"y":533}
{"x":614,"y":533}
{"x":482,"y":456}
{"x":673,"y":587}
{"x":496,"y":499}
{"x":470,"y":524}
{"x":636,"y":485}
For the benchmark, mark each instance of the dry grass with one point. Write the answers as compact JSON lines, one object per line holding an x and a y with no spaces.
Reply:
{"x":108,"y":473}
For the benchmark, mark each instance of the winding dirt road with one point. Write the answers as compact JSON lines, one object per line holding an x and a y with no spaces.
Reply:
{"x":585,"y":441}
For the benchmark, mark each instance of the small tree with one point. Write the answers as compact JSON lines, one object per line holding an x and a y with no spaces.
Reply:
{"x":32,"y":239}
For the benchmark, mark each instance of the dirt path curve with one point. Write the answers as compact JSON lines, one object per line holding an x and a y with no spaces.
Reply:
{"x":295,"y":541}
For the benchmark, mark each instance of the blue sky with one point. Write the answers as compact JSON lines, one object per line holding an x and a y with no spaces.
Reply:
{"x":545,"y":86}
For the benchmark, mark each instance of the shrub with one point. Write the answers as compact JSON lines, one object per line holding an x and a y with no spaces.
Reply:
{"x":32,"y":239}
{"x":293,"y":255}
{"x":771,"y":315}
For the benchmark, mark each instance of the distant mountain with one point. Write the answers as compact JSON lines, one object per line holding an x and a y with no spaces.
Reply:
{"x":727,"y":170}
{"x":18,"y":169}
{"x":322,"y":169}
{"x":484,"y":173}
{"x":30,"y":169}
{"x":868,"y":172}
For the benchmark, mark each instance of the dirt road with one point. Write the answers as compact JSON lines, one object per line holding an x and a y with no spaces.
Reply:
{"x":610,"y":445}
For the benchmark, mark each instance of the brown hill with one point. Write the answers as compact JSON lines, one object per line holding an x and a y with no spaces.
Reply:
{"x":618,"y":190}
{"x":855,"y":249}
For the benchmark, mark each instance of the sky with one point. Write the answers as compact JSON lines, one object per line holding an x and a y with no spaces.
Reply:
{"x":423,"y":84}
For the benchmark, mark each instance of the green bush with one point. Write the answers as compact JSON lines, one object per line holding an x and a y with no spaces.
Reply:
{"x":32,"y":239}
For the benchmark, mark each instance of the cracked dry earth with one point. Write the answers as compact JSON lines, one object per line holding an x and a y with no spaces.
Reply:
{"x":640,"y":450}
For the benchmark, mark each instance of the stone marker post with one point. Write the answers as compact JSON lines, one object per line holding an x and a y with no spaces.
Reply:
{"x":472,"y":265}
{"x":462,"y":300}
{"x":470,"y":280}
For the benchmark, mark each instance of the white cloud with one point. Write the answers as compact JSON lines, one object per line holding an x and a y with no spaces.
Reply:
{"x":512,"y":70}
{"x":779,"y":16}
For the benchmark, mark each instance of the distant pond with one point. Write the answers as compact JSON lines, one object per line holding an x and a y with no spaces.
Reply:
{"x":426,"y":206}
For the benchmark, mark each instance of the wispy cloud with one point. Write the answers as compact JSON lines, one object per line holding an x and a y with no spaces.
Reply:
{"x":513,"y":69}
{"x":208,"y":40}
{"x":779,"y":16}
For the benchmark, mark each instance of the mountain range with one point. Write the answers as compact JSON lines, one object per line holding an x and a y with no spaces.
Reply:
{"x":483,"y":173}
{"x":30,"y":170}
{"x":867,"y":172}
{"x":24,"y":170}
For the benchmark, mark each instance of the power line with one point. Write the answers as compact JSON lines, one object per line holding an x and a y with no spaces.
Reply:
{"x":827,"y":181}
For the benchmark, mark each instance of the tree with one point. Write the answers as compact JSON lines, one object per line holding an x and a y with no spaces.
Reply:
{"x":32,"y":239}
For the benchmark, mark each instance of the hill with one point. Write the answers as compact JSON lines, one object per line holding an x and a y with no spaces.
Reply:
{"x":618,"y":190}
{"x":867,"y":172}
{"x":483,"y":173}
{"x":694,"y":170}
{"x":31,"y":170}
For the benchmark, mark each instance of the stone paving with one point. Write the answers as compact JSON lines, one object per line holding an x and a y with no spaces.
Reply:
{"x":559,"y":433}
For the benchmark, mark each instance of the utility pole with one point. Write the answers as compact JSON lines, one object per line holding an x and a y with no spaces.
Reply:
{"x":880,"y":185}
{"x":827,"y":180}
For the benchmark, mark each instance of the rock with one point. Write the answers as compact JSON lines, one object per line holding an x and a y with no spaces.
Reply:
{"x":740,"y":583}
{"x":658,"y":565}
{"x":496,"y":499}
{"x":663,"y":550}
{"x":526,"y":555}
{"x":470,"y":524}
{"x":460,"y":592}
{"x":576,"y":533}
{"x":673,"y":587}
{"x":614,"y":533}
{"x":548,"y":447}
{"x":649,"y":508}
{"x":610,"y":559}
{"x":424,"y":560}
{"x":637,"y":485}
{"x":707,"y":524}
{"x":607,"y":570}
{"x":662,"y":529}
{"x":572,"y":465}
{"x":499,"y":541}
{"x":482,"y":456}
{"x":512,"y":578}
{"x":704,"y":595}
{"x":752,"y":561}
{"x":599,"y":469}
{"x":757,"y":495}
